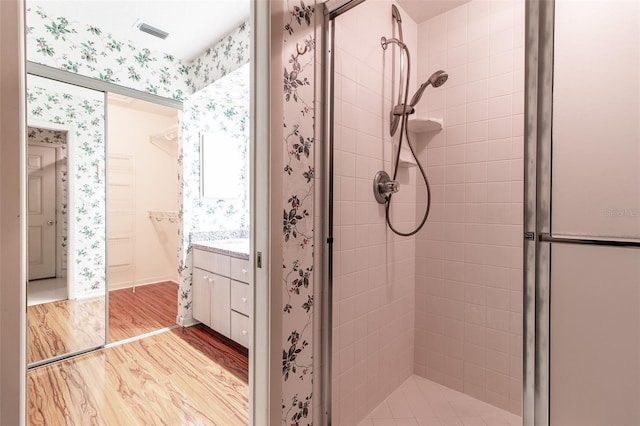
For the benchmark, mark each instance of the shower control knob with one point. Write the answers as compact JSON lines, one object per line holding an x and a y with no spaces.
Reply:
{"x":383,"y":187}
{"x":390,"y":187}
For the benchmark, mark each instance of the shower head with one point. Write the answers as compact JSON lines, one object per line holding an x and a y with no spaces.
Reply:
{"x":437,"y":79}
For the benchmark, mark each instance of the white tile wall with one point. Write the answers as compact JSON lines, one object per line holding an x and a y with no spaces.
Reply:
{"x":374,"y":271}
{"x":468,"y":329}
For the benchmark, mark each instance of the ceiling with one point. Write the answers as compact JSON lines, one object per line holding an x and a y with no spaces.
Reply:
{"x":194,"y":25}
{"x":421,"y":10}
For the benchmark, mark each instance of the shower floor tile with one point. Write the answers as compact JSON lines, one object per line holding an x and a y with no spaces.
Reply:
{"x":421,"y":402}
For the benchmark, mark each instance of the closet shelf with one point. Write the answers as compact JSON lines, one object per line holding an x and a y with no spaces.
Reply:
{"x":167,"y":140}
{"x":424,"y":124}
{"x":159,"y":216}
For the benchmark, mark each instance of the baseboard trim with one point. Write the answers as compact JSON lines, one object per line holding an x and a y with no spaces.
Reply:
{"x":186,"y":322}
{"x":122,"y":286}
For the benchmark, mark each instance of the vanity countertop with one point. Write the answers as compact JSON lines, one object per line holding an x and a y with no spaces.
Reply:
{"x":236,"y":247}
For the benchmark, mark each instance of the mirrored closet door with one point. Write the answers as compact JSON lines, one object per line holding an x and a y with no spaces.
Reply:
{"x":66,"y":224}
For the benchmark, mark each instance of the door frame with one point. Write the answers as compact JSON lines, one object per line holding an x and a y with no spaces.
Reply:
{"x":265,"y":383}
{"x":70,"y":133}
{"x":56,"y":158}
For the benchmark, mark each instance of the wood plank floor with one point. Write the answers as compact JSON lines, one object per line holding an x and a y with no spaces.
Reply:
{"x":62,"y":327}
{"x":150,"y":308}
{"x":187,"y":376}
{"x":68,"y":326}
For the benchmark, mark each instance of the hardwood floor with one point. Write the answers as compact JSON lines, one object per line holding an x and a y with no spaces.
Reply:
{"x":67,"y":326}
{"x":150,"y":308}
{"x":186,"y":376}
{"x":62,"y":327}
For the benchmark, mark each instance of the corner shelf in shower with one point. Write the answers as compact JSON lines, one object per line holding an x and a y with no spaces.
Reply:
{"x":424,"y":124}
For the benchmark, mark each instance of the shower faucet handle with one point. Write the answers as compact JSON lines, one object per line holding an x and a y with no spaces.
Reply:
{"x":390,"y":187}
{"x":383,"y":187}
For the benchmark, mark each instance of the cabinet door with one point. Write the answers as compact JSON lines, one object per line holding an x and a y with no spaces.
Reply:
{"x":220,"y":288}
{"x":201,"y":298}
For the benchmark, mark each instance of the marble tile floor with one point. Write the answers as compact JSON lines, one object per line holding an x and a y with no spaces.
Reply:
{"x":421,"y":402}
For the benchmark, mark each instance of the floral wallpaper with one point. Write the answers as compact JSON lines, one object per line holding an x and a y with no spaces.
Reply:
{"x":59,"y":139}
{"x":82,"y":110}
{"x":298,"y":216}
{"x":84,"y":49}
{"x":221,"y":109}
{"x":230,"y":53}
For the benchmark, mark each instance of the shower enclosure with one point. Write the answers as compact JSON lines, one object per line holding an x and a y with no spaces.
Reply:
{"x":516,"y":292}
{"x":442,"y":301}
{"x":439,"y":304}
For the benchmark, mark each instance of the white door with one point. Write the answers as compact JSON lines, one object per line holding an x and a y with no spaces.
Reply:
{"x":41,"y":199}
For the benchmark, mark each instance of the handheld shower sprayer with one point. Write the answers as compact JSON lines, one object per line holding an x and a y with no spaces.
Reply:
{"x":437,"y":79}
{"x":385,"y":186}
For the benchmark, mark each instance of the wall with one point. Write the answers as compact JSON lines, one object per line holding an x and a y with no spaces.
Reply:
{"x":83,"y":49}
{"x":155,"y":180}
{"x":82,"y":110}
{"x":374,"y":278}
{"x":226,"y":55}
{"x":222,"y":107}
{"x":469,"y":256}
{"x":297,"y":150}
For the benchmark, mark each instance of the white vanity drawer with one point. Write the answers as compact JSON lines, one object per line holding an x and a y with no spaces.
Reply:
{"x":240,"y":328}
{"x":212,"y":262}
{"x":241,"y":297}
{"x":240,"y":270}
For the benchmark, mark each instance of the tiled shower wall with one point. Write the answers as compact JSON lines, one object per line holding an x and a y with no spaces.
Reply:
{"x":469,"y":256}
{"x":374,"y":279}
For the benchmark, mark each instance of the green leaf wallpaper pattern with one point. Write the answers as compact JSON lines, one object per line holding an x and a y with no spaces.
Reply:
{"x":83,"y":111}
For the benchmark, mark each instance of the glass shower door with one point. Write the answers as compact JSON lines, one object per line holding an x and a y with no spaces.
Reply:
{"x":594,"y":228}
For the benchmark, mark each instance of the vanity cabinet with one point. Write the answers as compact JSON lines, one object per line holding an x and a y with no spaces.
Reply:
{"x":222,"y":296}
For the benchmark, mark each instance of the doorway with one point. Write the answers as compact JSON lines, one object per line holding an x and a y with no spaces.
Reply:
{"x":142,"y":216}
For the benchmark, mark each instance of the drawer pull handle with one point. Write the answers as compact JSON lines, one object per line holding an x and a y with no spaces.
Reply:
{"x":245,"y":332}
{"x":244,"y":299}
{"x":206,"y":277}
{"x":244,"y":271}
{"x":210,"y":280}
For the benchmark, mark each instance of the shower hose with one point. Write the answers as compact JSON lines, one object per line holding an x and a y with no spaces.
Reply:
{"x":404,"y":130}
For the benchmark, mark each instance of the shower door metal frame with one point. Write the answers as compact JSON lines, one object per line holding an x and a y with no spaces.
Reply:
{"x":331,"y":10}
{"x":537,"y":210}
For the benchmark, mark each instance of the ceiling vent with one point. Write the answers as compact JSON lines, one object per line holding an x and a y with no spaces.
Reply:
{"x":156,"y":32}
